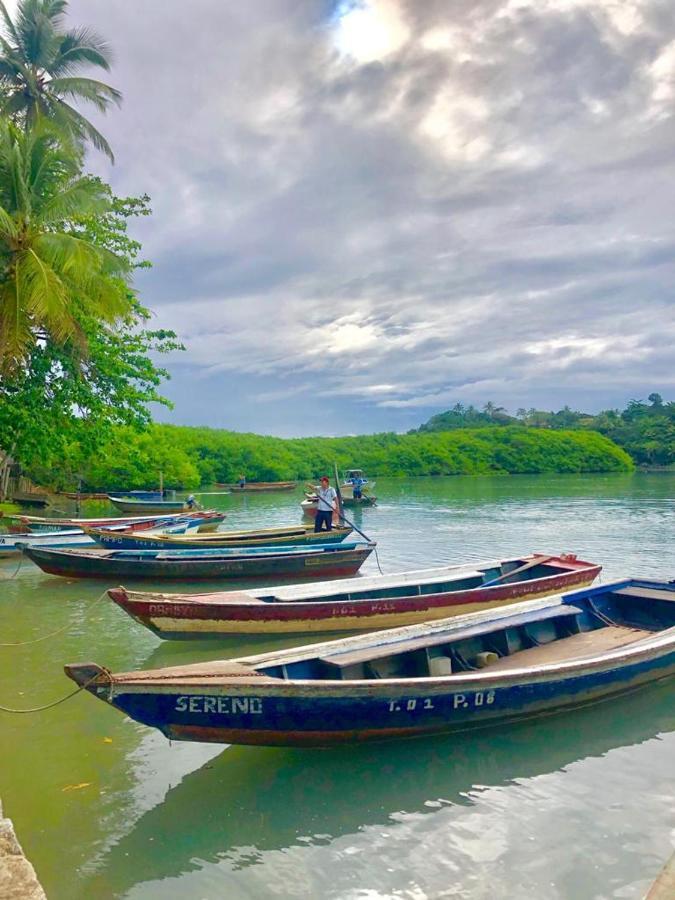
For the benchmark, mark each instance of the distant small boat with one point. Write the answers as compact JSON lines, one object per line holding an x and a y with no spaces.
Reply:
{"x":207,"y":519}
{"x":259,"y":486}
{"x":268,"y":537}
{"x":192,"y":565}
{"x":474,"y":671}
{"x":310,"y":504}
{"x":131,"y":505}
{"x":357,"y":604}
{"x":30,"y":499}
{"x":86,"y":495}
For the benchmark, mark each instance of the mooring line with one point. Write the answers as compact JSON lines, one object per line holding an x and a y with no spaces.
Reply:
{"x":58,"y":630}
{"x":16,"y":571}
{"x":33,"y":709}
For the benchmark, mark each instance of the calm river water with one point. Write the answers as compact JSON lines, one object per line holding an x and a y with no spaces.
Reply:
{"x":577,"y":806}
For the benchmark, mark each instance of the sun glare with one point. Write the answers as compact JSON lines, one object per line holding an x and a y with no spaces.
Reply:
{"x":368,"y":30}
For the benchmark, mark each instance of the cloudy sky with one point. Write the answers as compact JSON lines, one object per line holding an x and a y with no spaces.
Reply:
{"x":365,"y":212}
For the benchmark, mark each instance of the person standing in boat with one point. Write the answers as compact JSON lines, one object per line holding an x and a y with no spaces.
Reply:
{"x":357,"y":487}
{"x":242,"y":482}
{"x":327,"y":505}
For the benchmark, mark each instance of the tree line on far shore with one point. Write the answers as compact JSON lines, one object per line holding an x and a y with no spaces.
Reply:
{"x":189,"y":457}
{"x":645,"y":430}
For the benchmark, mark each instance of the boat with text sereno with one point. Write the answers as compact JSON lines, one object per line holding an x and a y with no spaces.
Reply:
{"x":377,"y":601}
{"x":482,"y":669}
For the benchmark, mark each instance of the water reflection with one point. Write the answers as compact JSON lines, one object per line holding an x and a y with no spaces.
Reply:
{"x":248,"y":801}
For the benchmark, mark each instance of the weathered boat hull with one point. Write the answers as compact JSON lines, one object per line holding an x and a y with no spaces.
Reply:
{"x":149,"y":506}
{"x":232,"y":701}
{"x":269,"y":538}
{"x":260,"y":487}
{"x":330,"y":561}
{"x":310,"y":507}
{"x":206,"y":520}
{"x":206,"y":616}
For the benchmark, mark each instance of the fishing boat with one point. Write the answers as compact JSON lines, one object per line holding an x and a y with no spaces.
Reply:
{"x":192,"y":565}
{"x":204,"y":520}
{"x":30,"y":499}
{"x":133,"y":505}
{"x":310,"y":504}
{"x":259,"y":486}
{"x":85,"y":495}
{"x":473,"y":671}
{"x":11,"y":544}
{"x":268,"y":537}
{"x":378,"y":601}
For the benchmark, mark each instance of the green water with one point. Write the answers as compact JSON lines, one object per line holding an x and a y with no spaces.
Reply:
{"x":575,"y":806}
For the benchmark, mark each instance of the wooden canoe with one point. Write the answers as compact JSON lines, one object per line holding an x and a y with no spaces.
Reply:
{"x":268,"y":537}
{"x":285,"y":562}
{"x":253,"y":486}
{"x":30,"y":499}
{"x":473,"y":671}
{"x":206,"y":518}
{"x":379,"y":601}
{"x":130,"y":505}
{"x":310,"y":505}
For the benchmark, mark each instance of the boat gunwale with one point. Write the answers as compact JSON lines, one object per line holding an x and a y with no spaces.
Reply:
{"x":258,"y":594}
{"x":628,"y":653}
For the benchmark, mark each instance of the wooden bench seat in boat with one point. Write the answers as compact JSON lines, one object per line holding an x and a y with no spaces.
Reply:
{"x":576,"y":646}
{"x":356,"y":657}
{"x":355,"y":588}
{"x":647,"y":593}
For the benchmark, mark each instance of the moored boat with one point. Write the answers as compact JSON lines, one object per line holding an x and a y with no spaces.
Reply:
{"x":472,"y":671}
{"x":378,"y":601}
{"x":310,"y":504}
{"x":205,"y":520}
{"x":192,"y":565}
{"x":259,"y":486}
{"x":30,"y":499}
{"x":269,"y":537}
{"x":132,"y":505}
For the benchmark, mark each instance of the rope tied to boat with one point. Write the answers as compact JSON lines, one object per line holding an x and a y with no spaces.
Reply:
{"x":16,"y":571}
{"x":58,"y":630}
{"x":34,"y":709}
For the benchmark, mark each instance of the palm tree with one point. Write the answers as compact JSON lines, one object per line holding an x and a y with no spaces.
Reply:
{"x":39,"y":66}
{"x":49,"y":274}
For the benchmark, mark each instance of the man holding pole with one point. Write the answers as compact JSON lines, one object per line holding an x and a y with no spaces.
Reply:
{"x":326,"y":506}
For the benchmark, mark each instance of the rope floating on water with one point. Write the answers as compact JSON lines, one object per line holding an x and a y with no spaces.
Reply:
{"x":34,"y":709}
{"x":16,"y":571}
{"x":58,"y":630}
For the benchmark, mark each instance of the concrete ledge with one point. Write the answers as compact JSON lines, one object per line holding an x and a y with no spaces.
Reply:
{"x":18,"y":880}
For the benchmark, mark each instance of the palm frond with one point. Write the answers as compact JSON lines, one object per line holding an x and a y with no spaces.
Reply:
{"x":8,"y":226}
{"x":81,"y":198}
{"x":96,"y":92}
{"x":16,"y":336}
{"x":76,"y":124}
{"x":44,"y":294}
{"x":80,"y":47}
{"x":8,"y":23}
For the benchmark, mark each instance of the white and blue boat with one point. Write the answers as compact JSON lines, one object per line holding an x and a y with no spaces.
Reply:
{"x":473,"y":671}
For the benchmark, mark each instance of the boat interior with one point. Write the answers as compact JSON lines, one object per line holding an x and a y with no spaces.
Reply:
{"x":510,"y":571}
{"x":583,"y":627}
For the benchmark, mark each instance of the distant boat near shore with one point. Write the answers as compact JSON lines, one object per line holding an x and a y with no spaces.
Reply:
{"x":259,"y":486}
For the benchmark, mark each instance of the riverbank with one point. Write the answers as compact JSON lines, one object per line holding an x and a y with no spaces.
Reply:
{"x":190,"y":457}
{"x":18,"y":880}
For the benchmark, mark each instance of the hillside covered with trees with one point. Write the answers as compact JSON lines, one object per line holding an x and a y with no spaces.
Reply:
{"x":646,"y":430}
{"x":189,"y":457}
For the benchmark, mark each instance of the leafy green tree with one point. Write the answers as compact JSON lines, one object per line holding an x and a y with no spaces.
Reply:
{"x":49,"y":274}
{"x":40,"y":70}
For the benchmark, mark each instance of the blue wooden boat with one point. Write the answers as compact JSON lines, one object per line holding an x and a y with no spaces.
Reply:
{"x":471,"y":671}
{"x":194,"y":565}
{"x":260,"y":537}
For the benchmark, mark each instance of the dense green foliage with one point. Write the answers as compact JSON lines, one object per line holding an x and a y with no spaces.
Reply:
{"x":41,"y":66}
{"x":645,"y":430}
{"x":188,"y":457}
